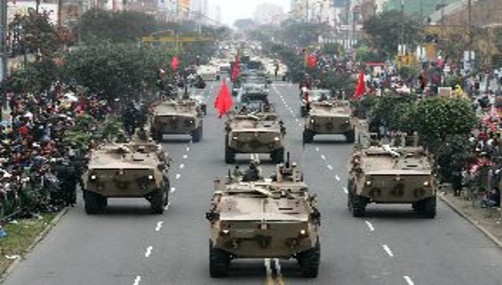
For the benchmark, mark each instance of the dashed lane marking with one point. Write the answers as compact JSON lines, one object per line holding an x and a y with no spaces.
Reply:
{"x":316,"y":149}
{"x":178,"y":176}
{"x":185,"y":156}
{"x":330,"y":167}
{"x":182,"y":166}
{"x":279,"y":280}
{"x":323,"y":157}
{"x":173,"y":189}
{"x":268,"y":270}
{"x":137,"y":280}
{"x":370,"y":226}
{"x":345,"y":190}
{"x":387,"y":250}
{"x":408,"y":280}
{"x":148,"y":251}
{"x":337,"y":178}
{"x":159,"y":226}
{"x":188,"y":148}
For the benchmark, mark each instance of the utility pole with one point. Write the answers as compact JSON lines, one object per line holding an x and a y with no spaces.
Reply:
{"x":401,"y":34}
{"x":347,"y":14}
{"x":60,"y":4}
{"x":3,"y":50}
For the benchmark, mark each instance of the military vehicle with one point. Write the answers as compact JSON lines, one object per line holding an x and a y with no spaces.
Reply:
{"x":255,"y":133}
{"x":126,"y":170}
{"x":329,"y":117}
{"x":313,"y":95}
{"x":397,"y":173}
{"x":268,"y":218}
{"x":181,"y":116}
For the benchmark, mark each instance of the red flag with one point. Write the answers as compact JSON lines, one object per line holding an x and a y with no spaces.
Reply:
{"x":236,"y":70}
{"x":174,"y":63}
{"x":361,"y":85}
{"x":312,"y":60}
{"x":223,"y":102}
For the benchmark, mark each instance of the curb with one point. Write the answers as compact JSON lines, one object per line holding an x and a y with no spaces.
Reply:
{"x":476,"y":224}
{"x":39,"y":238}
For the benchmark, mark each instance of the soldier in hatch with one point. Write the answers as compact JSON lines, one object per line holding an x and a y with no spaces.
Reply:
{"x":252,"y":173}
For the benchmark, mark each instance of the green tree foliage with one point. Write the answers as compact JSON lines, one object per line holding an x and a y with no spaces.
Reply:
{"x":117,"y":70}
{"x":409,"y":72}
{"x":301,"y":34}
{"x":33,"y":33}
{"x":384,"y":29}
{"x":365,"y":54}
{"x":118,"y":27}
{"x":36,"y":77}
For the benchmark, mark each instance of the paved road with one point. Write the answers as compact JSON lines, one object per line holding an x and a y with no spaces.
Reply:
{"x":129,"y":246}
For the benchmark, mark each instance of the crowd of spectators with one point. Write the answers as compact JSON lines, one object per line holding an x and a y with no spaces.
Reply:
{"x":39,"y":167}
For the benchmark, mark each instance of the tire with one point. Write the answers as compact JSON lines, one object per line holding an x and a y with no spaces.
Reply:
{"x":229,"y":154}
{"x":94,"y":203}
{"x":358,"y":205}
{"x":308,"y":136}
{"x":277,"y":156}
{"x":157,"y":201}
{"x":197,"y":134}
{"x":218,"y":262}
{"x":428,"y":208}
{"x":350,"y":136}
{"x":309,"y":261}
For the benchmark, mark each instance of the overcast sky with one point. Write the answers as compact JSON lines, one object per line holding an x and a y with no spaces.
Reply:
{"x":237,"y":9}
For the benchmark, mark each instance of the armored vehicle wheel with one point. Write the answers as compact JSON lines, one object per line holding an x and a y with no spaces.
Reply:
{"x":427,"y":207}
{"x":309,"y":261}
{"x":158,"y":201}
{"x":218,"y":262}
{"x":350,"y":136}
{"x":357,"y":205}
{"x":308,"y":136}
{"x":94,"y":203}
{"x":277,"y":155}
{"x":229,"y":154}
{"x":197,"y":134}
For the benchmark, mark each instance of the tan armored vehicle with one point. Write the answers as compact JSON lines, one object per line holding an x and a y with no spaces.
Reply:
{"x":329,"y":118}
{"x":255,"y":133}
{"x":128,"y":170}
{"x":182,"y":116}
{"x":268,"y":218}
{"x":396,"y":173}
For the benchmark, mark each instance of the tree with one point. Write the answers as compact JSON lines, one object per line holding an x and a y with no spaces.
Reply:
{"x":118,"y":27}
{"x":384,"y":30}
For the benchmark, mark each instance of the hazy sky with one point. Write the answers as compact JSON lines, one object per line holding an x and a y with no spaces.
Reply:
{"x":237,"y":9}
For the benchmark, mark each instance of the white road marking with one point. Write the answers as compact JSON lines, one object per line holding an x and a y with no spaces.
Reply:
{"x":330,"y":167}
{"x":178,"y":176}
{"x":185,"y":156}
{"x":323,"y":157}
{"x":148,"y":251}
{"x":370,"y":226}
{"x":337,"y":178}
{"x":167,"y":206}
{"x":159,"y":226}
{"x":316,"y":149}
{"x":137,"y":280}
{"x":345,"y":190}
{"x":278,"y":270}
{"x":188,"y":148}
{"x":182,"y":166}
{"x":387,"y":250}
{"x":268,"y":270}
{"x":408,"y":280}
{"x":173,"y":189}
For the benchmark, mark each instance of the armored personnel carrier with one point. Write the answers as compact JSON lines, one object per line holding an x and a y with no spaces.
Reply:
{"x":312,"y":96}
{"x":181,"y":116}
{"x":255,"y":133}
{"x":397,"y":173}
{"x":128,"y":170}
{"x":329,"y":117}
{"x":269,"y":218}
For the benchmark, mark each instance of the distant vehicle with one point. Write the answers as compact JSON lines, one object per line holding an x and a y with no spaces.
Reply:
{"x":329,"y":117}
{"x":269,"y":218}
{"x":128,"y":170}
{"x":397,"y":173}
{"x":313,"y":95}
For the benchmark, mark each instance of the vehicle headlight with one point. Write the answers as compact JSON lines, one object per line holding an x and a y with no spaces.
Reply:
{"x":93,"y":177}
{"x":312,"y":121}
{"x":303,"y":232}
{"x":150,"y":177}
{"x":276,"y":139}
{"x":368,"y":183}
{"x":426,"y":183}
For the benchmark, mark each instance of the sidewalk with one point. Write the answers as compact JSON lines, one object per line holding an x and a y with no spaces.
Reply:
{"x":487,"y":220}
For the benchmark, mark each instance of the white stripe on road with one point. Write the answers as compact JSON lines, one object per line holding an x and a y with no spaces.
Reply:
{"x":370,"y":226}
{"x":330,"y":167}
{"x":178,"y":176}
{"x":316,"y":149}
{"x":182,"y":166}
{"x":337,"y":178}
{"x":159,"y":226}
{"x":408,"y":280}
{"x":278,"y":270}
{"x":323,"y":157}
{"x":268,"y":270}
{"x":137,"y":280}
{"x":345,"y":190}
{"x":185,"y":156}
{"x":148,"y":251}
{"x":173,"y":189}
{"x":188,"y":148}
{"x":387,"y":249}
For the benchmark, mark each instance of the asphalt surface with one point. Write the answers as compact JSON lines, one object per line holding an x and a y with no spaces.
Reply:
{"x":128,"y":245}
